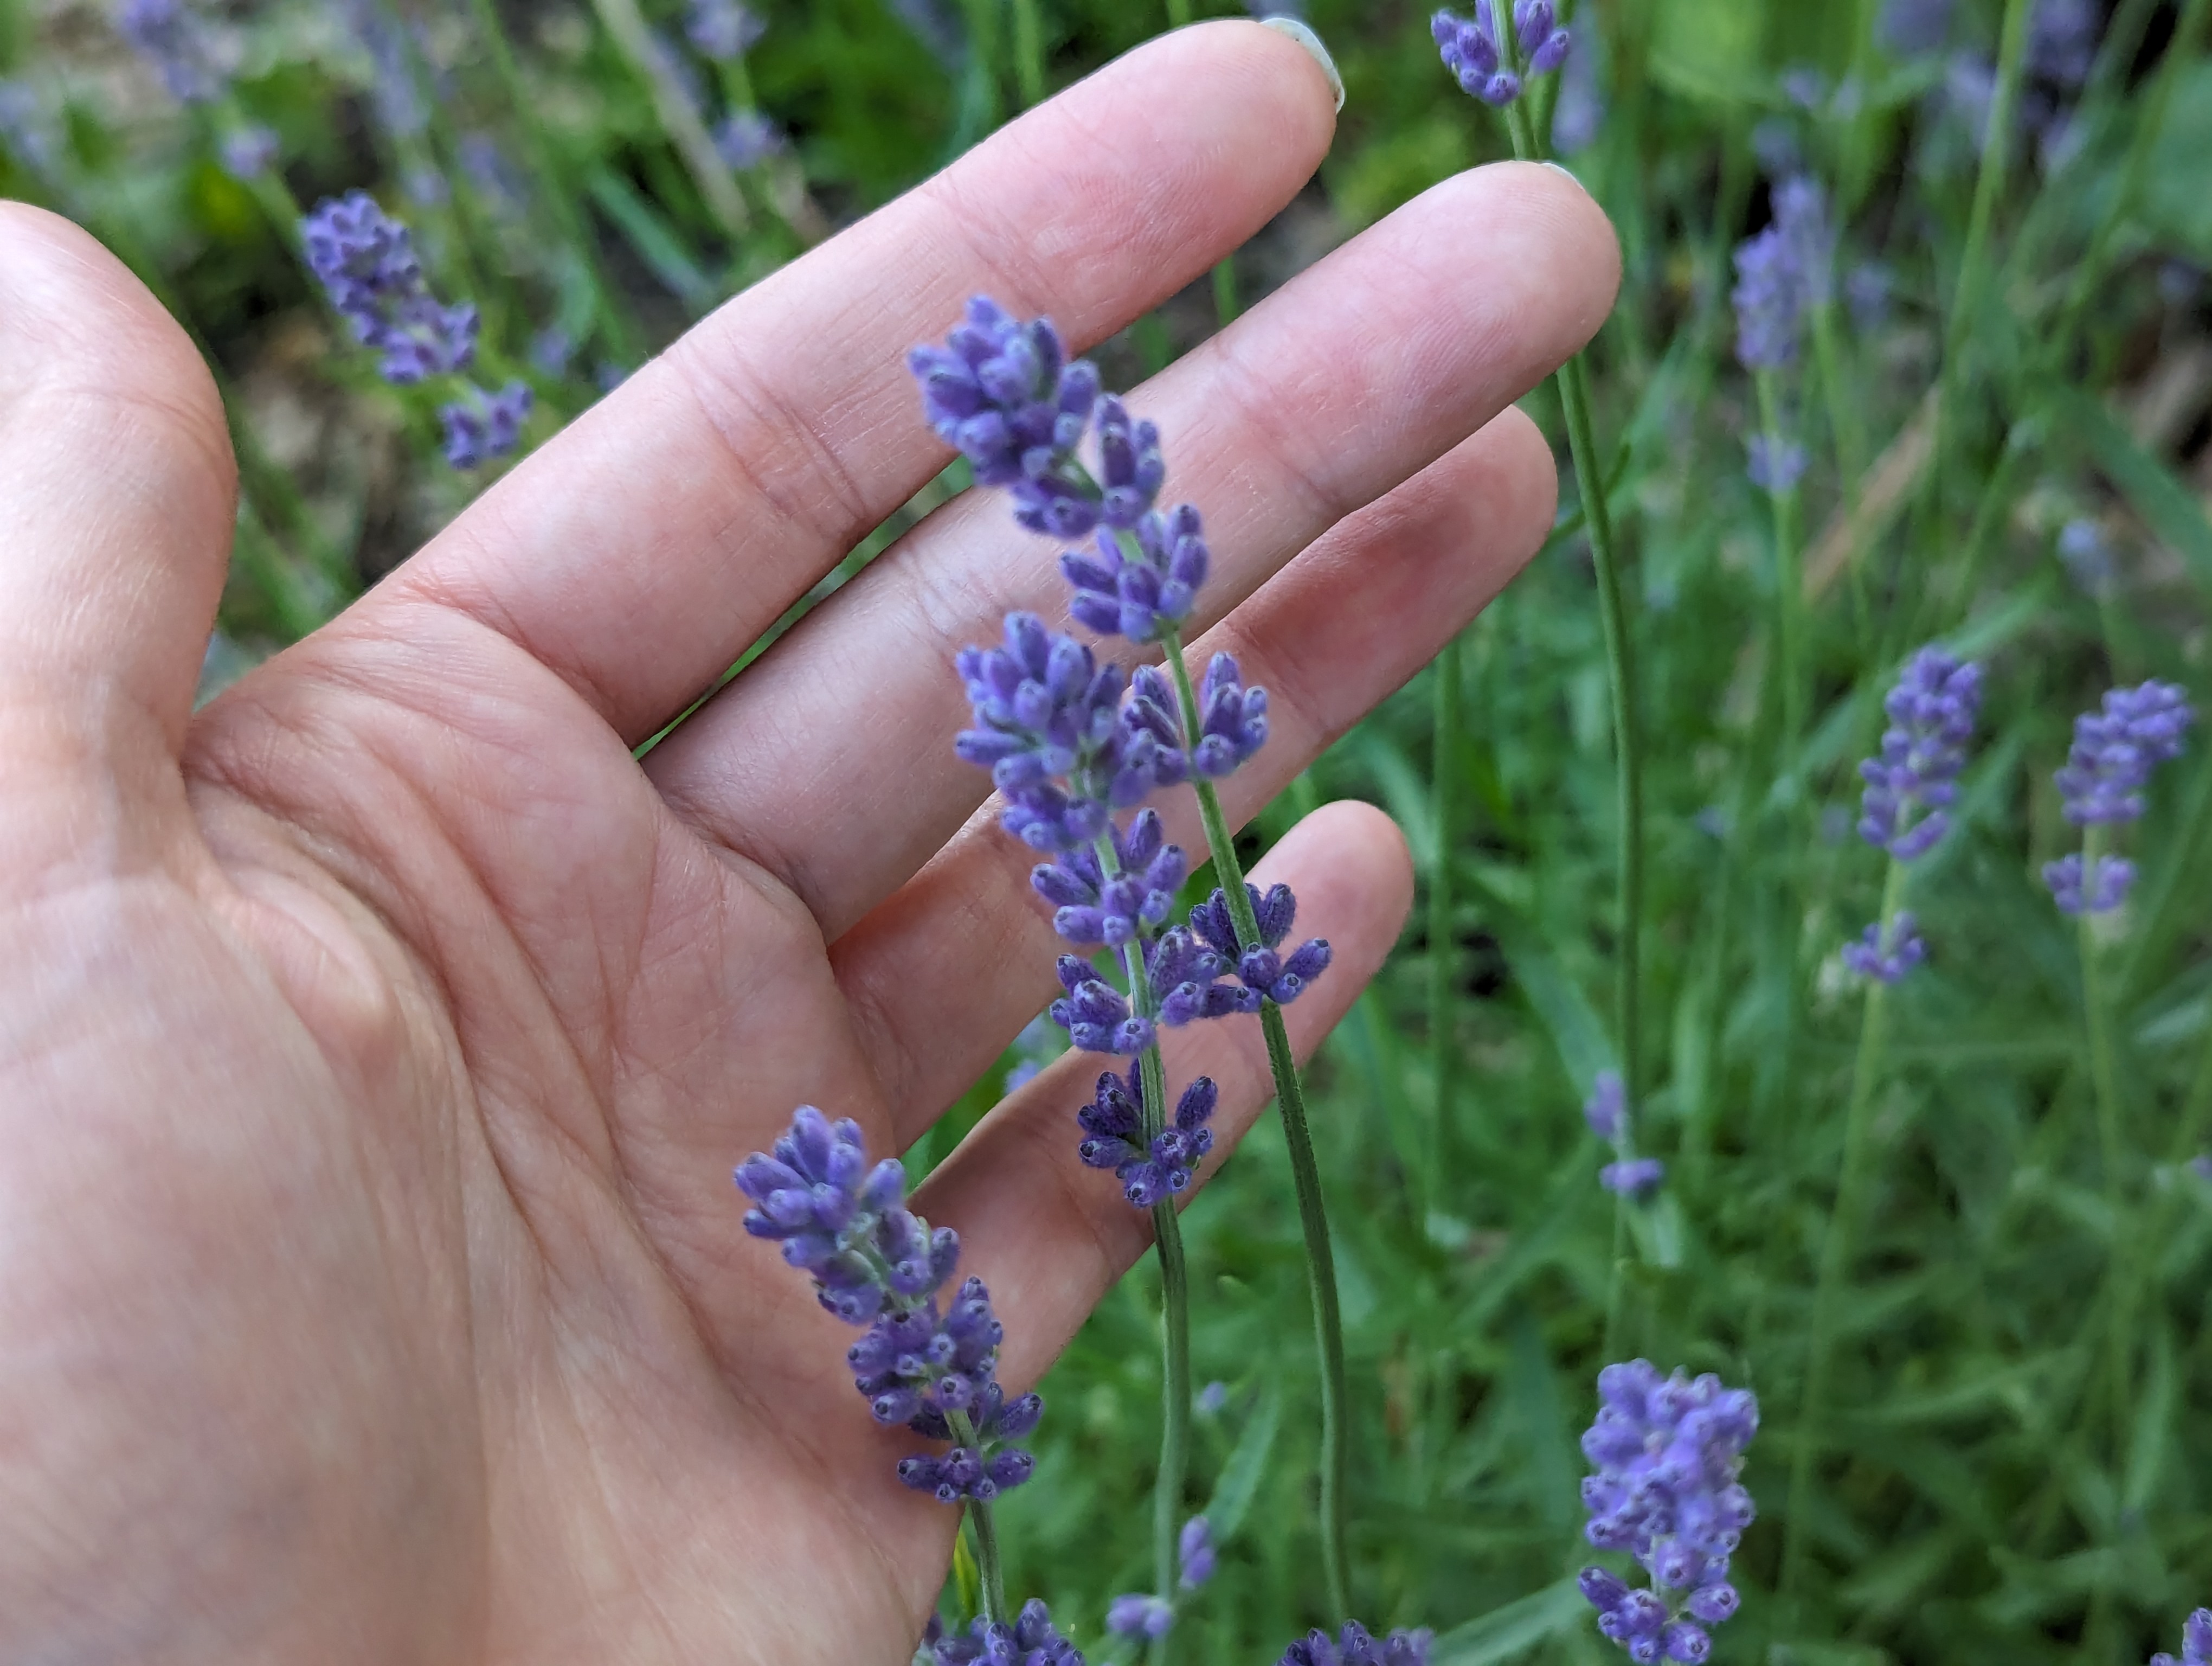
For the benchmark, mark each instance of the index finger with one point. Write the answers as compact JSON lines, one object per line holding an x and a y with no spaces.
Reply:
{"x":639,"y":552}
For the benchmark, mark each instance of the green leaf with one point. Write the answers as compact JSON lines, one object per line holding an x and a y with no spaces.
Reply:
{"x":1247,"y":1467}
{"x":1511,"y":1631}
{"x":2172,"y":510}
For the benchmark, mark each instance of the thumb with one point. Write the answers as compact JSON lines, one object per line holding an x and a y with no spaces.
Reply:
{"x":117,"y":490}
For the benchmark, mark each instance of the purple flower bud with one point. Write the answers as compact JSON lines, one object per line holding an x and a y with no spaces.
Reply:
{"x":1635,"y":1177}
{"x":174,"y":40}
{"x":1932,"y":711}
{"x":1887,"y":957}
{"x":1139,"y":1616}
{"x":485,"y":426}
{"x":2115,"y":750}
{"x":1775,"y":468}
{"x":1194,"y":1553}
{"x":366,"y":263}
{"x":722,"y":29}
{"x":1606,"y":1110}
{"x":2115,"y":878}
{"x":745,"y":138}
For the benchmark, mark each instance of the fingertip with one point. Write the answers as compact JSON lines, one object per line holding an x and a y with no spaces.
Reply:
{"x":1524,"y":484}
{"x":1588,"y":246}
{"x":1286,"y":101}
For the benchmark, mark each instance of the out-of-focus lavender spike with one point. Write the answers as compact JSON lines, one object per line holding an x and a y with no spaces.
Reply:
{"x":174,"y":40}
{"x":2074,"y":890}
{"x":1194,"y":1553}
{"x":746,"y":139}
{"x":1913,"y":29}
{"x":485,"y":426}
{"x":247,"y":153}
{"x":723,"y":30}
{"x":1633,"y":1176}
{"x":1774,"y":467}
{"x":1886,"y":956}
{"x":1606,"y":1110}
{"x":1913,"y":779}
{"x":2116,"y":749}
{"x":367,"y":264}
{"x":1139,"y":1616}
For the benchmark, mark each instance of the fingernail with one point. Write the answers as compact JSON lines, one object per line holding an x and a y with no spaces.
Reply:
{"x":1306,"y":38}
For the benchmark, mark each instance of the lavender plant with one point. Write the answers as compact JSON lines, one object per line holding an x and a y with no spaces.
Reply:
{"x":1911,"y":784}
{"x":1538,"y":46}
{"x":2195,"y":1642}
{"x":367,"y":264}
{"x":1667,"y":1454}
{"x":1069,"y":744}
{"x":927,"y":1364}
{"x":1606,"y":1110}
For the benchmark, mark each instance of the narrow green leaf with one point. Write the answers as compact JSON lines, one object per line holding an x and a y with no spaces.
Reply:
{"x":1508,"y":1632}
{"x":1247,"y":1467}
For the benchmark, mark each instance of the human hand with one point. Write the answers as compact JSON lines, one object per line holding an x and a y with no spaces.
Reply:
{"x":375,"y":1044}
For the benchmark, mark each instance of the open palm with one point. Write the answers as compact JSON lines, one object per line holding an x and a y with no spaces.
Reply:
{"x":375,"y":1044}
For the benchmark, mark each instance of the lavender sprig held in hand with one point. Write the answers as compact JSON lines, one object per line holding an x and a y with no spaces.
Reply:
{"x":876,"y":1263}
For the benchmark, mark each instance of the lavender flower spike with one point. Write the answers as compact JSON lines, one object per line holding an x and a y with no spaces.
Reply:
{"x":2195,"y":1642}
{"x":1029,"y":1641}
{"x":1781,"y":273}
{"x":2076,"y":889}
{"x":2116,"y":750}
{"x":1133,"y":902}
{"x":1194,"y":1553}
{"x":367,"y":264}
{"x":1606,"y":1110}
{"x":1634,"y":1177}
{"x":1281,"y":978}
{"x":1115,"y":1121}
{"x":1931,"y":713}
{"x":485,"y":426}
{"x":1666,"y":1453}
{"x":173,"y":39}
{"x":722,"y":29}
{"x":1139,"y":1616}
{"x":1886,"y":956}
{"x":1469,"y":49}
{"x":1006,"y":396}
{"x":876,"y":1263}
{"x":1143,"y":594}
{"x":1356,"y":1646}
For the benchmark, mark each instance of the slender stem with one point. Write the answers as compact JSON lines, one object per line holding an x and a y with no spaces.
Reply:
{"x":1305,"y":1172}
{"x":1431,"y":1185}
{"x":1836,"y":1248}
{"x":620,"y":336}
{"x":2112,"y":1152}
{"x":1789,"y":585}
{"x":1175,"y":1293}
{"x":1988,"y":183}
{"x":1178,"y":12}
{"x":1029,"y":52}
{"x":1225,"y":304}
{"x":1846,"y":434}
{"x":988,"y":1561}
{"x":1573,"y":382}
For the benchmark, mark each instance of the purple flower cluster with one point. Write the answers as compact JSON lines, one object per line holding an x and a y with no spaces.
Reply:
{"x":722,"y":29}
{"x":1356,"y":1646}
{"x":1069,"y":743}
{"x":2116,"y":750}
{"x":174,"y":39}
{"x":367,"y":264}
{"x":1006,"y":396}
{"x":1151,"y":1172}
{"x":1666,"y":1452}
{"x":1775,"y":467}
{"x":1781,"y":274}
{"x":1473,"y":48}
{"x":2195,"y":1642}
{"x":1606,"y":1110}
{"x":876,"y":1263}
{"x":1139,"y":1614}
{"x":744,"y":139}
{"x":1913,"y":779}
{"x":1886,"y":956}
{"x":1051,"y":727}
{"x":1029,"y":1641}
{"x":1262,"y":969}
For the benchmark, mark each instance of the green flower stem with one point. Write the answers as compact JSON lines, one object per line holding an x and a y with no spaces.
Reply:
{"x":1431,"y":1185}
{"x":620,"y":335}
{"x":1225,"y":303}
{"x":679,"y":116}
{"x":1966,"y":296}
{"x":987,"y":1560}
{"x":1836,"y":1251}
{"x":1175,"y":1294}
{"x":1029,"y":52}
{"x":2103,"y":1074}
{"x":1789,"y":583}
{"x":1573,"y":380}
{"x":1305,"y":1172}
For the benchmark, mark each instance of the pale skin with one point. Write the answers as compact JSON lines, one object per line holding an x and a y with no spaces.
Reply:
{"x":376,"y":1042}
